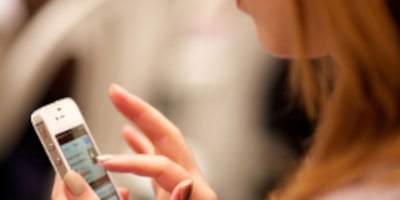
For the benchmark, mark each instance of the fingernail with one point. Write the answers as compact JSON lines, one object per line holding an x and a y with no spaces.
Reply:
{"x":117,"y":87}
{"x":102,"y":158}
{"x":187,"y":190}
{"x":74,"y":183}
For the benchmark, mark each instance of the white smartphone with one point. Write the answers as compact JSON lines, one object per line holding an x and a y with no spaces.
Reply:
{"x":69,"y":145}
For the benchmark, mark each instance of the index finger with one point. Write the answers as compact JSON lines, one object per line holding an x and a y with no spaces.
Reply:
{"x":166,"y":138}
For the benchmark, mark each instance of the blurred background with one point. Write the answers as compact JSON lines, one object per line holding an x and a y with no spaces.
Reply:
{"x":197,"y":61}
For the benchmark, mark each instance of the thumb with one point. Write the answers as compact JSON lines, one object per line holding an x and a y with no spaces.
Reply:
{"x":182,"y":191}
{"x":76,"y":188}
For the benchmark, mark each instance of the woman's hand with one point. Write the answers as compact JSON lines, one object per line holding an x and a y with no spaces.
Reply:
{"x":75,"y":187}
{"x":162,"y":153}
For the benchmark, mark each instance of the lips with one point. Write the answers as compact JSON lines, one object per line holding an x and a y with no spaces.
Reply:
{"x":238,"y":2}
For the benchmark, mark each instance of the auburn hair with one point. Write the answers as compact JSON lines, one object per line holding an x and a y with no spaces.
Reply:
{"x":354,"y":95}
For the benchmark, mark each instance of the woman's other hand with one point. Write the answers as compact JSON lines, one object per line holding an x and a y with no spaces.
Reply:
{"x":74,"y":187}
{"x":162,"y":152}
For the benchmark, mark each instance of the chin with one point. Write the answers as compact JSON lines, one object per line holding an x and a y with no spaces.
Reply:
{"x":286,"y":52}
{"x":278,"y":52}
{"x":277,"y":48}
{"x":281,"y":46}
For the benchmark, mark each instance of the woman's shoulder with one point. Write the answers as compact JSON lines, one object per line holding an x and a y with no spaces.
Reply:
{"x":364,"y":192}
{"x":382,"y":184}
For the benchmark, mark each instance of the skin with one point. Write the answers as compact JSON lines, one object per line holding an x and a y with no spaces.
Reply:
{"x":157,"y":154}
{"x":273,"y":22}
{"x":162,"y":152}
{"x":271,"y":18}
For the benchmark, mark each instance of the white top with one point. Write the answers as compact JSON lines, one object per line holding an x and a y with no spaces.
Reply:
{"x":364,"y":192}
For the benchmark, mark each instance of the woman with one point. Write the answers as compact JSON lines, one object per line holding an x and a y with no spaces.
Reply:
{"x":350,"y":88}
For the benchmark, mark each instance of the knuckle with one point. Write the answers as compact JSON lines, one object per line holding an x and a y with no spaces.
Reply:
{"x":204,"y":192}
{"x":165,"y":162}
{"x":176,"y":132}
{"x":212,"y":195}
{"x":165,"y":165}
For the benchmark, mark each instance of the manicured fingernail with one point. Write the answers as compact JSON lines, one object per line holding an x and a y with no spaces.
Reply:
{"x":113,"y":88}
{"x":187,"y":190}
{"x":117,"y":87}
{"x":114,"y":85}
{"x":75,"y":183}
{"x":102,"y":158}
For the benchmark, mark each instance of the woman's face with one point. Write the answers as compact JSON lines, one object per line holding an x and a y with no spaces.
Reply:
{"x":272,"y":19}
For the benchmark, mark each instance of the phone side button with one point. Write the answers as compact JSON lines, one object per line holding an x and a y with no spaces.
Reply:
{"x":51,"y":146}
{"x":43,"y":131}
{"x":58,"y":161}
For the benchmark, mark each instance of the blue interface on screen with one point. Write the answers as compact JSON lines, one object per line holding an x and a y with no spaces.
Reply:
{"x":81,"y":157}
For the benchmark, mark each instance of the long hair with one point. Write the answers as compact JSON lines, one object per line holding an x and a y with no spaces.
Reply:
{"x":355,"y":99}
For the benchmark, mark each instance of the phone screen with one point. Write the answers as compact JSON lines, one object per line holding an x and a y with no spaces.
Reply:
{"x":81,"y":156}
